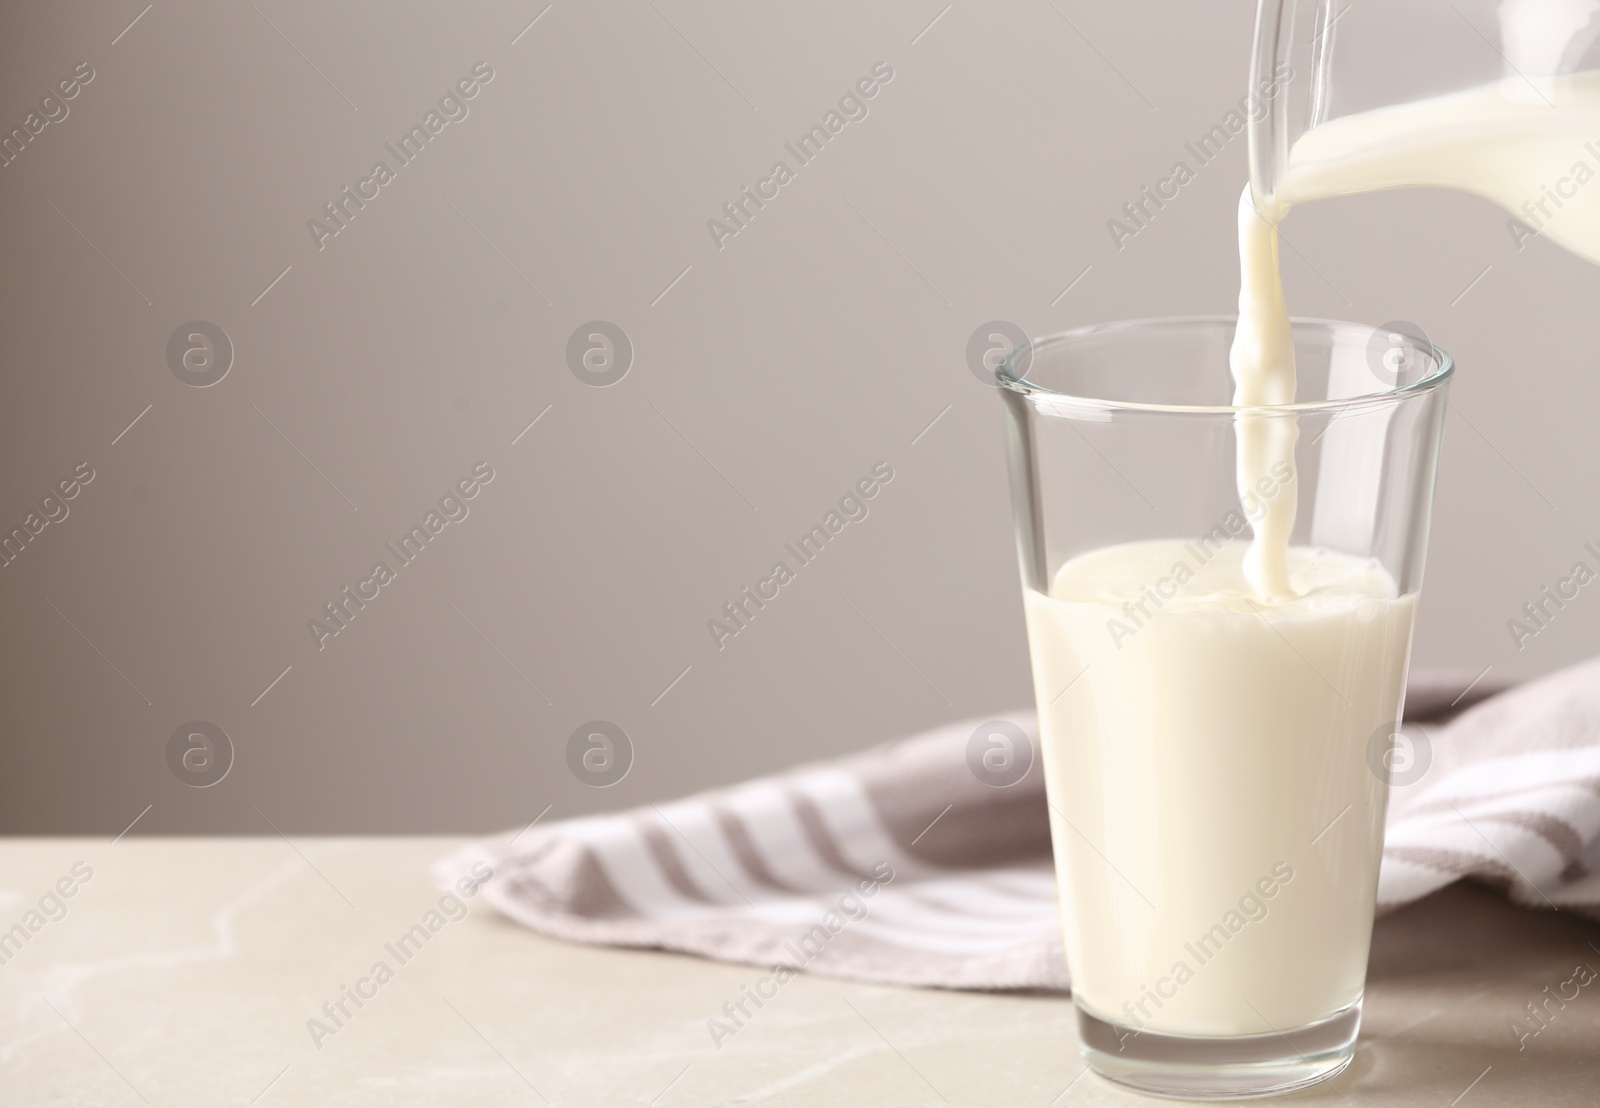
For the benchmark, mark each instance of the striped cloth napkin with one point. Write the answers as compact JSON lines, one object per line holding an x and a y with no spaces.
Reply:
{"x":899,"y":865}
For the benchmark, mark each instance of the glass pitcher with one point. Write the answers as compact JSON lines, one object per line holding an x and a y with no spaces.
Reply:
{"x":1357,"y":97}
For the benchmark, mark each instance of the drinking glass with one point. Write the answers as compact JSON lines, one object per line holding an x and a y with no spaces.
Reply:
{"x":1217,"y":772}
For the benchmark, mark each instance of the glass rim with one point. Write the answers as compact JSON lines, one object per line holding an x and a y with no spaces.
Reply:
{"x":1444,"y":369}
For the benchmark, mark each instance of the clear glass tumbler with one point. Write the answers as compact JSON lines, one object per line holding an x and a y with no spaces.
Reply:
{"x":1217,"y":764}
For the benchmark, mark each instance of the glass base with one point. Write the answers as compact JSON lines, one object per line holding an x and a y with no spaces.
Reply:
{"x":1217,"y":1068}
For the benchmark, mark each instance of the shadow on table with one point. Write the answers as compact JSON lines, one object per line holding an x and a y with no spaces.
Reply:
{"x":1449,"y":990}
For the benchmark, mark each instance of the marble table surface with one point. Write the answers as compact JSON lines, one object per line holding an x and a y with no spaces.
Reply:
{"x":187,"y":972}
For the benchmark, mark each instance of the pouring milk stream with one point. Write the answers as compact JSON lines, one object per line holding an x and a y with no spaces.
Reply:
{"x":1218,"y":918}
{"x":1531,"y":148}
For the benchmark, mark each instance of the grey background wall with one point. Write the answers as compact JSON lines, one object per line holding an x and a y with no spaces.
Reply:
{"x":375,"y":369}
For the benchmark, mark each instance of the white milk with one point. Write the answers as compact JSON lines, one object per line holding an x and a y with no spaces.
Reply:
{"x":1262,"y":360}
{"x":1217,"y":829}
{"x":1531,"y":147}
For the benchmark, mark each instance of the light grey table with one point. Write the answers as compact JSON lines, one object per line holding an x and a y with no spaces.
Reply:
{"x":185,"y":972}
